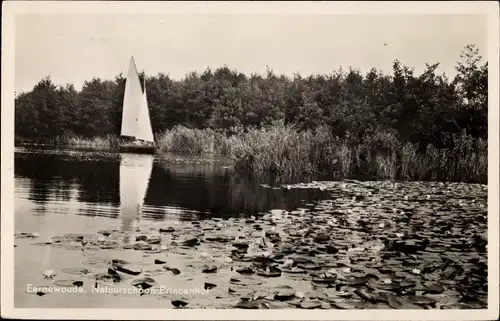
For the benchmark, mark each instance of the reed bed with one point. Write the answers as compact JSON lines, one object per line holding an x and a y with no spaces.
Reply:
{"x":109,"y":141}
{"x":106,"y":142}
{"x":184,"y":140}
{"x":283,"y":149}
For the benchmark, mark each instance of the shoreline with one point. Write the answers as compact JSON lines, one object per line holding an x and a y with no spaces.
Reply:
{"x":213,"y":158}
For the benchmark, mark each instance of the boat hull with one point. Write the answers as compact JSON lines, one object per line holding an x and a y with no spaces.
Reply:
{"x":137,"y":149}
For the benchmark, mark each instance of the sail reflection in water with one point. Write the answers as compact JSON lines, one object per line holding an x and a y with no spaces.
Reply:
{"x":135,"y":173}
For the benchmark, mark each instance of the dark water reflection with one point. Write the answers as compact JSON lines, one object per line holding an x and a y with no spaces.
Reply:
{"x":89,"y":183}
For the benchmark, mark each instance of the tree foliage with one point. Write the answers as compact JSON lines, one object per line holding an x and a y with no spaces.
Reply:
{"x":421,"y":109}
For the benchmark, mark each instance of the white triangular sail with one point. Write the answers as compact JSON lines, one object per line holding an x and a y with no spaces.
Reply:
{"x":132,"y":99}
{"x":135,"y":173}
{"x":135,"y":117}
{"x":144,"y":130}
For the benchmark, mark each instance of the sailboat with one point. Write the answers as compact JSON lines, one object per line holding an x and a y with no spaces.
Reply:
{"x":136,"y":131}
{"x":135,"y":174}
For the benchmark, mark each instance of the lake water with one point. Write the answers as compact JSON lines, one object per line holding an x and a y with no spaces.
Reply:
{"x":113,"y":200}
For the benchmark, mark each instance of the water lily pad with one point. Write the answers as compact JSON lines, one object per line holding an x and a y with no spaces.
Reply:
{"x":302,"y":260}
{"x":422,"y":300}
{"x":143,"y":283}
{"x":66,"y":283}
{"x":379,"y":306}
{"x":284,"y":292}
{"x":270,"y":272}
{"x":349,"y":304}
{"x":316,"y":295}
{"x":293,"y":270}
{"x":406,"y":283}
{"x":154,"y":240}
{"x":354,"y":281}
{"x":140,"y":238}
{"x":42,"y":243}
{"x":191,"y":242}
{"x":26,"y":235}
{"x":209,"y":286}
{"x":178,"y":303}
{"x":320,"y":238}
{"x":209,"y":269}
{"x":309,"y":266}
{"x":105,"y":232}
{"x":445,"y":301}
{"x":363,"y":294}
{"x":153,"y":272}
{"x":343,"y":294}
{"x":253,"y":304}
{"x":241,"y":245}
{"x":259,"y":294}
{"x":393,"y":301}
{"x":310,"y":304}
{"x":167,"y":230}
{"x":245,"y":281}
{"x":140,"y":246}
{"x":97,"y":262}
{"x":175,"y":271}
{"x":433,"y":287}
{"x":77,"y":271}
{"x":245,"y":270}
{"x":108,"y":246}
{"x":326,"y":280}
{"x":78,"y":283}
{"x":128,"y":269}
{"x":105,"y":277}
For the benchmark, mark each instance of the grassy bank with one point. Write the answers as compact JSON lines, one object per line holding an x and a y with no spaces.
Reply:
{"x":285,"y":150}
{"x":188,"y":141}
{"x":107,"y":142}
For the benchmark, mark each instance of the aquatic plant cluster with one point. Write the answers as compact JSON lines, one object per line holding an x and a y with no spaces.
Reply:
{"x":342,"y":122}
{"x":372,"y":245}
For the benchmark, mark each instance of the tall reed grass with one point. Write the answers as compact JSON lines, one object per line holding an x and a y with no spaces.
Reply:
{"x":107,"y":142}
{"x":183,"y":140}
{"x":283,"y":149}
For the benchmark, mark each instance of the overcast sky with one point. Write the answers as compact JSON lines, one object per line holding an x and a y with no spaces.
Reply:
{"x":74,"y":48}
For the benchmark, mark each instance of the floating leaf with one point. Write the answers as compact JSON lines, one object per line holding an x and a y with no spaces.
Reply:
{"x":209,"y":286}
{"x":179,"y":303}
{"x":316,"y":295}
{"x":284,"y":292}
{"x":209,"y":269}
{"x":309,"y":304}
{"x":66,"y":283}
{"x":76,"y":271}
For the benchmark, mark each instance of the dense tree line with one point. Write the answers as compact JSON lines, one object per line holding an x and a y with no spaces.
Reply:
{"x":422,"y":109}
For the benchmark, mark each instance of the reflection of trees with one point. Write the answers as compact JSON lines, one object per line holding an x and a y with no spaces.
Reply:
{"x":216,"y":191}
{"x":203,"y":190}
{"x":62,"y":190}
{"x":39,"y":191}
{"x":55,"y":175}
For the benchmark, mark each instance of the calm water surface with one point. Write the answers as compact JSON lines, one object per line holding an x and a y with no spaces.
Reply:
{"x":183,"y":222}
{"x":63,"y":191}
